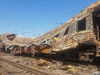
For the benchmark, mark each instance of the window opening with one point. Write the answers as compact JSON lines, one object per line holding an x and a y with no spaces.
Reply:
{"x":82,"y":25}
{"x":66,"y":32}
{"x":56,"y":36}
{"x":11,"y":37}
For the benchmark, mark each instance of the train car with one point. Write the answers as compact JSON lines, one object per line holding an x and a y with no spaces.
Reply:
{"x":77,"y":39}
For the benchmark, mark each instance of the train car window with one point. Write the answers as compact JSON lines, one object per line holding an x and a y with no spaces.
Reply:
{"x":57,"y":36}
{"x":66,"y":32}
{"x":11,"y":37}
{"x":45,"y":41}
{"x":81,"y":24}
{"x":73,"y":28}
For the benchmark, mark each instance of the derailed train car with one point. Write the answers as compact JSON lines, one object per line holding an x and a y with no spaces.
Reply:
{"x":77,"y":39}
{"x":18,"y":45}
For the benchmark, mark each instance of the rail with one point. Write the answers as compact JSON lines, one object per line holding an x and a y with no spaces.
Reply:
{"x":2,"y":72}
{"x":25,"y":67}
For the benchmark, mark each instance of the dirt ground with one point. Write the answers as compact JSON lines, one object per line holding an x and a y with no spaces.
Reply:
{"x":47,"y":65}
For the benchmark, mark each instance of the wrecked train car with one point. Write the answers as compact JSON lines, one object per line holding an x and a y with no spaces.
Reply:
{"x":14,"y":44}
{"x":77,"y":39}
{"x":18,"y":45}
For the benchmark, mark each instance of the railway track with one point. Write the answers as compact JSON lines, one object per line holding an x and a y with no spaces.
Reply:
{"x":2,"y":72}
{"x":62,"y":63}
{"x":37,"y":72}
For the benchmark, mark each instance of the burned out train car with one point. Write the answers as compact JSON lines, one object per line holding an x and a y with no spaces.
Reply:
{"x":18,"y":45}
{"x":77,"y":39}
{"x":14,"y":44}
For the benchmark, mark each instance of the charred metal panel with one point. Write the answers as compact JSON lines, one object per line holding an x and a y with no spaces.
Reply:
{"x":73,"y":28}
{"x":88,"y":22}
{"x":62,"y":32}
{"x":1,"y":46}
{"x":72,"y":40}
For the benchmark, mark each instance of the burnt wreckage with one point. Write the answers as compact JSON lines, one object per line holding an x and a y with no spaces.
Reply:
{"x":77,"y":39}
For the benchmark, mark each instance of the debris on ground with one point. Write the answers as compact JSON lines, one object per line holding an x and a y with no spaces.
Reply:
{"x":54,"y":66}
{"x":96,"y":73}
{"x":42,"y":62}
{"x":69,"y":68}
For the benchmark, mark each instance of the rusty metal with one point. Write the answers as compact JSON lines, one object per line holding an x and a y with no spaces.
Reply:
{"x":1,"y":46}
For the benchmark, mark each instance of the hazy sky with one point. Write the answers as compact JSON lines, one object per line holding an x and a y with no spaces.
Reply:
{"x":32,"y":18}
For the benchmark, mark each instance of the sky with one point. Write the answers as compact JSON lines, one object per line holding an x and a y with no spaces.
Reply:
{"x":32,"y":18}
